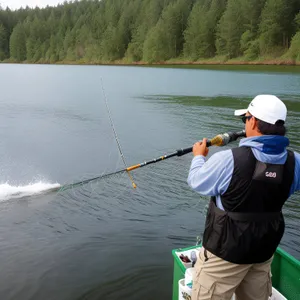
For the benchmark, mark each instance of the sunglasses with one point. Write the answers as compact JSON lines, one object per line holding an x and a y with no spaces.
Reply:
{"x":245,"y":118}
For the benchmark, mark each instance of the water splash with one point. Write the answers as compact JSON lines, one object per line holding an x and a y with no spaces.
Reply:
{"x":8,"y":191}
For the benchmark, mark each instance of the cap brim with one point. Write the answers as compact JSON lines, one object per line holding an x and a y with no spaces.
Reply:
{"x":240,"y":112}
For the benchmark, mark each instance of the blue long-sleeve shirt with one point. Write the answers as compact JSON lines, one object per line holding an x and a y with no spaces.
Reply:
{"x":212,"y":177}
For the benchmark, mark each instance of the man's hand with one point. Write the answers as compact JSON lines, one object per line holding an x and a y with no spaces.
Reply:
{"x":200,"y":148}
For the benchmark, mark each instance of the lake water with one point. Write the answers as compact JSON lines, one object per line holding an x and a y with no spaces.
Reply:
{"x":106,"y":240}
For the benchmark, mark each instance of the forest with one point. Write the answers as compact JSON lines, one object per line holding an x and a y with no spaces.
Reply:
{"x":152,"y":31}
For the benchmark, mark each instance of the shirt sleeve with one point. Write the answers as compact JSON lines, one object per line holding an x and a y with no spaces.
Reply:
{"x":211,"y":177}
{"x":296,"y":183}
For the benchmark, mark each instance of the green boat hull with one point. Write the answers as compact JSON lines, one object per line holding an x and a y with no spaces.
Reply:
{"x":285,"y":273}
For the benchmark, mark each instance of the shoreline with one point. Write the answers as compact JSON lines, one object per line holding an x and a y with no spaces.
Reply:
{"x":212,"y":62}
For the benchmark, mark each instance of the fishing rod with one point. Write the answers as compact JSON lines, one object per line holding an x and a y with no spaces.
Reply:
{"x":219,"y":140}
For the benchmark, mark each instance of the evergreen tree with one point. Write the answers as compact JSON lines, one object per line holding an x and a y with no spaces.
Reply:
{"x":82,"y":41}
{"x":110,"y":44}
{"x":193,"y":38}
{"x":251,"y":11}
{"x":147,"y":17}
{"x":230,"y":30}
{"x":18,"y":43}
{"x":294,"y":51}
{"x":98,"y":24}
{"x":2,"y":42}
{"x":277,"y":26}
{"x":249,"y":42}
{"x":166,"y":39}
{"x":200,"y":33}
{"x":155,"y":47}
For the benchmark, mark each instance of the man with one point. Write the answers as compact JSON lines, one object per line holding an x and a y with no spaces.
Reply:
{"x":249,"y":185}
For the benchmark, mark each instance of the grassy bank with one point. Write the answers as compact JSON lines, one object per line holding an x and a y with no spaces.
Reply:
{"x":217,"y":63}
{"x":180,"y":61}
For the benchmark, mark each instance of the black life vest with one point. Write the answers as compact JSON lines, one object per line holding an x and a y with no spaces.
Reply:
{"x":252,"y":225}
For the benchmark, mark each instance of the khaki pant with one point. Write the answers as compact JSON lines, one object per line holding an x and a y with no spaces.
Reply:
{"x":218,"y":279}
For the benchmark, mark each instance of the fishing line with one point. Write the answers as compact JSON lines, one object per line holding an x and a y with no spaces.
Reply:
{"x":115,"y":134}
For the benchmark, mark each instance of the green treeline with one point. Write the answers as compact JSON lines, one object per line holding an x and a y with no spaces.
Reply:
{"x":152,"y":31}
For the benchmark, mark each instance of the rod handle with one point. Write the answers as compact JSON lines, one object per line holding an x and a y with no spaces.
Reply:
{"x":218,"y":140}
{"x":181,"y":152}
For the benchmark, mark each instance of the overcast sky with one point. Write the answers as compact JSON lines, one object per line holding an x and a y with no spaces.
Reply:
{"x":14,"y":4}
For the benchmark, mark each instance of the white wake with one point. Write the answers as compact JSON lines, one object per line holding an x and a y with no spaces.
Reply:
{"x":8,"y":191}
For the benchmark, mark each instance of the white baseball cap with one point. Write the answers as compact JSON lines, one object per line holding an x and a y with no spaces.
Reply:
{"x":267,"y":108}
